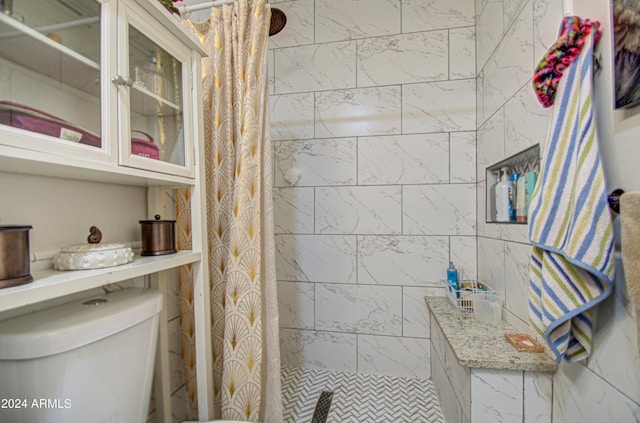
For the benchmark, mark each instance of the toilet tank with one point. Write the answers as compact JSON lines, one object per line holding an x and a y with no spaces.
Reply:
{"x":90,"y":360}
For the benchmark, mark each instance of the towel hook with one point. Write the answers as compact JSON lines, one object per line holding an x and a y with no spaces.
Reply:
{"x":614,"y":200}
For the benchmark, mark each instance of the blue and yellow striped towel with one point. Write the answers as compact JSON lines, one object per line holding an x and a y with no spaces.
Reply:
{"x":570,"y":225}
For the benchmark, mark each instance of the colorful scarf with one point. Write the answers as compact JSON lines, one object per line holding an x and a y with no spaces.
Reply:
{"x":573,"y":32}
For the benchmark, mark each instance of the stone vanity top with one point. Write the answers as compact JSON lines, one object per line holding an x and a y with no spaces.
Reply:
{"x":483,"y":345}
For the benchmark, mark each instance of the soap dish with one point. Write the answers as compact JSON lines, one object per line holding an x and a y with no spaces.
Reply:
{"x":523,"y":342}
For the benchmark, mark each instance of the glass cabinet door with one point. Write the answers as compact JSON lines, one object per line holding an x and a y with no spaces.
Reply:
{"x":50,"y":75}
{"x":158,"y":75}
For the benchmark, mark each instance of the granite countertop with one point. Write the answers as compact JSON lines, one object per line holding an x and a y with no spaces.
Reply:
{"x":483,"y":345}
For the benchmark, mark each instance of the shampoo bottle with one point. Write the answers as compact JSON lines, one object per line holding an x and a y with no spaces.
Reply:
{"x":513,"y":178}
{"x":502,"y":198}
{"x":452,"y":277}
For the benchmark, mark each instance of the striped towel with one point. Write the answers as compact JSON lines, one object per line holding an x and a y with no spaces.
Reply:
{"x":570,"y":225}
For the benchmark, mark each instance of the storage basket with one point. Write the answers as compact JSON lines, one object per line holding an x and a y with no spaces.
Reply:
{"x":463,"y":298}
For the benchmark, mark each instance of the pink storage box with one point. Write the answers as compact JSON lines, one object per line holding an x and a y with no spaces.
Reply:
{"x":34,"y":120}
{"x":144,"y":146}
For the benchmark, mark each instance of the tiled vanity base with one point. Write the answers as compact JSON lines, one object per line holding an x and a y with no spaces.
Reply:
{"x":480,"y":377}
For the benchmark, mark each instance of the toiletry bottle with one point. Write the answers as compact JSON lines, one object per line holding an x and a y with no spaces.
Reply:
{"x":513,"y":179}
{"x":452,"y":277}
{"x":521,"y":210}
{"x":530,"y":179}
{"x":491,"y":216}
{"x":502,"y":197}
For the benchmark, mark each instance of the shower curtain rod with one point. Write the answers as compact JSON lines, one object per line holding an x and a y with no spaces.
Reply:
{"x":203,"y":6}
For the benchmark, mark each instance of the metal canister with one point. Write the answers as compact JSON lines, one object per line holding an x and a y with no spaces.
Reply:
{"x":15,"y":260}
{"x":158,"y":237}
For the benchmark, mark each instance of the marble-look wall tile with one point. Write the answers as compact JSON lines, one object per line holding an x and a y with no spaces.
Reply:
{"x":581,"y":396}
{"x":439,"y":106}
{"x":446,"y":396}
{"x":296,"y":305}
{"x":315,"y":67}
{"x":349,"y":19}
{"x":497,"y":395}
{"x":402,"y":59}
{"x":489,"y":31}
{"x":318,"y":350}
{"x":420,"y":15}
{"x":358,"y":112}
{"x":462,"y":157}
{"x":171,"y":300}
{"x":363,"y":309}
{"x":546,"y":19}
{"x":511,"y":11}
{"x":463,"y":253}
{"x":490,"y":141}
{"x":438,"y":340}
{"x":460,"y":378}
{"x":538,"y":397}
{"x":525,"y":121}
{"x":293,"y":210}
{"x":388,"y":355}
{"x":615,"y":336}
{"x":358,"y":210}
{"x":491,"y":264}
{"x":316,"y":258}
{"x":403,"y":159}
{"x":271,"y":65}
{"x":321,"y":161}
{"x":516,"y":269}
{"x":439,"y":209}
{"x":292,"y":116}
{"x":513,"y":55}
{"x":415,"y":313}
{"x":299,"y":29}
{"x":401,"y":260}
{"x":462,"y":53}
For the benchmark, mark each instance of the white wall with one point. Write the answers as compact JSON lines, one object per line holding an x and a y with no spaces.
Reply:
{"x":511,"y":39}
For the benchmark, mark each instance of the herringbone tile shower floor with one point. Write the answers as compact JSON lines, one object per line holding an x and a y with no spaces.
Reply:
{"x":359,"y":398}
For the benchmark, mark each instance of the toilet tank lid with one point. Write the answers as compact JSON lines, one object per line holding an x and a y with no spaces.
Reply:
{"x":72,"y":325}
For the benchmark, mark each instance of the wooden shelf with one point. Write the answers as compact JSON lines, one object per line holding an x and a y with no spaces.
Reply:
{"x":27,"y":47}
{"x":49,"y":284}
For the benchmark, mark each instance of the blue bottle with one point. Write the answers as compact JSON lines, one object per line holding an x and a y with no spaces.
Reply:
{"x":452,"y":277}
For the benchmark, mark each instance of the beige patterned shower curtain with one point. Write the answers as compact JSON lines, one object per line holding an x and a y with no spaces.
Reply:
{"x":244,"y":320}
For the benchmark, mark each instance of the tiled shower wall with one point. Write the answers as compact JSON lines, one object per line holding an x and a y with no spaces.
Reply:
{"x":374,"y":103}
{"x":511,"y":38}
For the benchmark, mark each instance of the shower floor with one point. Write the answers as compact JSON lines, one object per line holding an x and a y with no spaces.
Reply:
{"x":358,"y":398}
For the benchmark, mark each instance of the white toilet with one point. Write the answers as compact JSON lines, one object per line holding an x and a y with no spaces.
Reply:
{"x":85,"y":361}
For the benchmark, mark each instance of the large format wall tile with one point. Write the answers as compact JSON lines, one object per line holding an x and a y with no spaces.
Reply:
{"x":299,"y":29}
{"x":358,"y":210}
{"x":462,"y":53}
{"x":401,"y":59}
{"x":497,"y":395}
{"x":388,"y":355}
{"x":439,"y":209}
{"x":420,"y":15}
{"x":349,"y":19}
{"x":538,"y":396}
{"x":367,"y":309}
{"x":320,"y":350}
{"x":439,"y":106}
{"x":293,"y":210}
{"x":320,"y":161}
{"x":316,"y":258}
{"x":525,"y":121}
{"x":516,"y":264}
{"x":462,"y":156}
{"x":403,"y":159}
{"x":415,"y":313}
{"x":362,"y":111}
{"x":463,"y":253}
{"x":315,"y":67}
{"x":491,"y":263}
{"x":295,"y":305}
{"x":489,"y":28}
{"x":401,"y":260}
{"x":291,"y":116}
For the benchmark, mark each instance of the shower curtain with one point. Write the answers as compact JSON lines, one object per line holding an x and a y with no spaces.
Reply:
{"x":244,"y":307}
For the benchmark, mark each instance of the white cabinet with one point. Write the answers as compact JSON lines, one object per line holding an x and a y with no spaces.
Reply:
{"x":105,"y":91}
{"x":110,"y":82}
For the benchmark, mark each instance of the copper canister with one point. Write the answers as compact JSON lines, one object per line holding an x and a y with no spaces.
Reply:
{"x":158,"y":237}
{"x":14,"y":255}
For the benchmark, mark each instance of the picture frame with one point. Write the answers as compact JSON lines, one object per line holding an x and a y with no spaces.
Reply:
{"x":626,"y":53}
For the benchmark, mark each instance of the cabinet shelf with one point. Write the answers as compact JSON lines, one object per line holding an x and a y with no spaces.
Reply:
{"x":27,"y":47}
{"x":148,"y":103}
{"x":51,"y":283}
